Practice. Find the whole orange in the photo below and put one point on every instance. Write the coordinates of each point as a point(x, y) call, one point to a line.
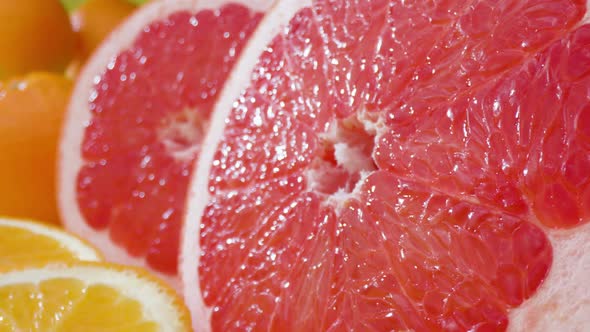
point(31, 112)
point(34, 35)
point(95, 19)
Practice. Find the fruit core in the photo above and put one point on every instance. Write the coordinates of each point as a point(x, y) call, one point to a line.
point(181, 133)
point(150, 109)
point(443, 231)
point(345, 158)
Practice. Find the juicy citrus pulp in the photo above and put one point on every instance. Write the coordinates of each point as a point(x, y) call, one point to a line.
point(31, 113)
point(88, 297)
point(395, 165)
point(35, 35)
point(138, 114)
point(24, 242)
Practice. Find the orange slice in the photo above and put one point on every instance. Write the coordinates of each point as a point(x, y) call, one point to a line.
point(87, 296)
point(26, 242)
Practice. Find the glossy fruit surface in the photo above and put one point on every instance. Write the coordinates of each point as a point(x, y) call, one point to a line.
point(88, 297)
point(31, 113)
point(95, 19)
point(395, 165)
point(36, 35)
point(24, 242)
point(138, 115)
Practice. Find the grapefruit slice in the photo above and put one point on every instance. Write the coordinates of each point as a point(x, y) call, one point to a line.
point(395, 165)
point(88, 297)
point(134, 126)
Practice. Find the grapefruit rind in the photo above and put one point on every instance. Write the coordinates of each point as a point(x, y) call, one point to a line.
point(79, 248)
point(79, 116)
point(159, 302)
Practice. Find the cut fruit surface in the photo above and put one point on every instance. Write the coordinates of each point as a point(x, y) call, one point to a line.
point(88, 297)
point(139, 111)
point(394, 165)
point(24, 242)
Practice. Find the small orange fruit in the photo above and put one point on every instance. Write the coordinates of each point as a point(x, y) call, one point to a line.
point(34, 35)
point(31, 112)
point(95, 19)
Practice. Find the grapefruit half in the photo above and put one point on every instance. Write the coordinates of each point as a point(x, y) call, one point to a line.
point(135, 122)
point(398, 165)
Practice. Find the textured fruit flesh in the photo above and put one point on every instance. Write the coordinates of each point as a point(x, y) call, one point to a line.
point(69, 305)
point(21, 247)
point(150, 109)
point(473, 144)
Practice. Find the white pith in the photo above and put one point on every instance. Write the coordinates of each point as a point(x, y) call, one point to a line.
point(158, 306)
point(78, 248)
point(358, 164)
point(349, 156)
point(562, 303)
point(198, 195)
point(187, 125)
point(78, 116)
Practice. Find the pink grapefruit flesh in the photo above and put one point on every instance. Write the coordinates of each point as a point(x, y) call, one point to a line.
point(136, 121)
point(399, 165)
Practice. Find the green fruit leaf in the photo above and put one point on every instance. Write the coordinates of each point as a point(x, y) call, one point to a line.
point(73, 4)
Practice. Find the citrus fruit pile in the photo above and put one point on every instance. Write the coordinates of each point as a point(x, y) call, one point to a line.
point(42, 45)
point(290, 165)
point(51, 280)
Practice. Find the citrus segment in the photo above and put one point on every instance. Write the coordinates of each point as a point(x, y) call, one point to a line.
point(31, 114)
point(90, 297)
point(137, 118)
point(517, 136)
point(24, 242)
point(393, 165)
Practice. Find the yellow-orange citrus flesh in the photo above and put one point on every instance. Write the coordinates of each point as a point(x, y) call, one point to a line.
point(24, 242)
point(88, 297)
